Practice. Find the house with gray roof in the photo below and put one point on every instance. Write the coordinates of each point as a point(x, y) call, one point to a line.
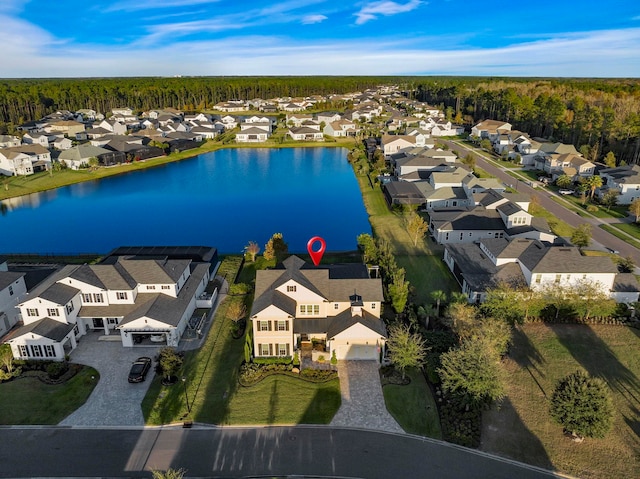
point(529, 263)
point(337, 305)
point(130, 297)
point(12, 291)
point(624, 179)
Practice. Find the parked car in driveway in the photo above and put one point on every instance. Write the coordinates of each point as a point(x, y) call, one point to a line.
point(139, 369)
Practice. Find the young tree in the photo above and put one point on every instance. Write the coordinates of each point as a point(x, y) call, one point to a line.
point(563, 181)
point(582, 405)
point(168, 474)
point(368, 247)
point(581, 236)
point(417, 227)
point(634, 208)
point(236, 310)
point(406, 349)
point(275, 248)
point(610, 159)
point(252, 249)
point(625, 265)
point(610, 198)
point(472, 372)
point(170, 362)
point(485, 144)
point(469, 160)
point(398, 290)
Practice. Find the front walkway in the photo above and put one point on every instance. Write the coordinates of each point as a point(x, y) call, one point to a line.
point(362, 400)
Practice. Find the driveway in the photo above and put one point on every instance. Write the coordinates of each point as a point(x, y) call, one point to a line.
point(362, 400)
point(113, 402)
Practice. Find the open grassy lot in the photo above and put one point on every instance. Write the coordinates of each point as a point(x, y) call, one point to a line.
point(427, 274)
point(30, 401)
point(413, 406)
point(281, 399)
point(521, 427)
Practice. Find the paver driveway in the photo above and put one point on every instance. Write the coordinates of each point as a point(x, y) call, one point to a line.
point(362, 400)
point(113, 402)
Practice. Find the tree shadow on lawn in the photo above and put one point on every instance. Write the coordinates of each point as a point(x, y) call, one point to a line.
point(633, 420)
point(598, 359)
point(527, 356)
point(505, 434)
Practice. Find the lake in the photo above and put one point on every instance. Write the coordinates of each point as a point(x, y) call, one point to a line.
point(224, 199)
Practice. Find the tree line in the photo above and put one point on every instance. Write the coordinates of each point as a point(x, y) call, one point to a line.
point(603, 114)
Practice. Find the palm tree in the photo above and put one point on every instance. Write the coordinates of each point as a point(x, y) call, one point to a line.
point(438, 296)
point(593, 182)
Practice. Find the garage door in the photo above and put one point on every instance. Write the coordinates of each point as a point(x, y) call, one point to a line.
point(357, 352)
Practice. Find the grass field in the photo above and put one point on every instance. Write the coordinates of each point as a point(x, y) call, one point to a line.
point(283, 399)
point(30, 401)
point(413, 406)
point(559, 227)
point(617, 232)
point(521, 427)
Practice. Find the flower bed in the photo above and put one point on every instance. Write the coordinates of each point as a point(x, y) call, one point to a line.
point(251, 374)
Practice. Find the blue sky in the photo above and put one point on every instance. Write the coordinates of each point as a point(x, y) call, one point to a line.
point(79, 38)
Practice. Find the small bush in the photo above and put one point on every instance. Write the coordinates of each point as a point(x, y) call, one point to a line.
point(296, 359)
point(55, 370)
point(592, 208)
point(273, 360)
point(239, 289)
point(317, 374)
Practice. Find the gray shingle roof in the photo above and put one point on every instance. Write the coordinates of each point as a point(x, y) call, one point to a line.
point(59, 293)
point(567, 259)
point(8, 277)
point(345, 320)
point(46, 327)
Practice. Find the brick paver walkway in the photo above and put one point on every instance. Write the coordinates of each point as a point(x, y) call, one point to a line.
point(362, 400)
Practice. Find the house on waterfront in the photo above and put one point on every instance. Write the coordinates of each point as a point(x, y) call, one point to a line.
point(12, 291)
point(148, 292)
point(24, 160)
point(336, 305)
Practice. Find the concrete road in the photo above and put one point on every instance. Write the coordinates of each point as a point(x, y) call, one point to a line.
point(599, 235)
point(241, 452)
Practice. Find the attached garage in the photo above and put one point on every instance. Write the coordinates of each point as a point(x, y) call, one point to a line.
point(362, 339)
point(353, 352)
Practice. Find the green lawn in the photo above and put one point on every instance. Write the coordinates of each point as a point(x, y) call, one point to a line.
point(521, 428)
point(630, 228)
point(427, 274)
point(601, 211)
point(413, 406)
point(30, 401)
point(559, 227)
point(281, 399)
point(617, 232)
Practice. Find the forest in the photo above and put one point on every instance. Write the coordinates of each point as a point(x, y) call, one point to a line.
point(596, 115)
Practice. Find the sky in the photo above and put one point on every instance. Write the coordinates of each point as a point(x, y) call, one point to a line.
point(80, 38)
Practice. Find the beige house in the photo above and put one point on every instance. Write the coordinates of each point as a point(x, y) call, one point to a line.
point(336, 306)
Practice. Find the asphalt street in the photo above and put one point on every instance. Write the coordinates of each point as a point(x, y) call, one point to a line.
point(244, 452)
point(599, 235)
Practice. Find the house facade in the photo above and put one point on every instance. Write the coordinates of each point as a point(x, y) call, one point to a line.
point(132, 298)
point(337, 305)
point(12, 291)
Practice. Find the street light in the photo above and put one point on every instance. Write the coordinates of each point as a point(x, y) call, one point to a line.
point(186, 397)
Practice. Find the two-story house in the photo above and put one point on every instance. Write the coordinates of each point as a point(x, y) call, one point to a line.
point(132, 297)
point(625, 180)
point(338, 305)
point(12, 290)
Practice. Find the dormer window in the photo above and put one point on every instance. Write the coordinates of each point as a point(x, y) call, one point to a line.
point(291, 288)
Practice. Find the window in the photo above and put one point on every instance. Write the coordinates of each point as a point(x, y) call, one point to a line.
point(49, 351)
point(151, 287)
point(121, 295)
point(336, 306)
point(32, 312)
point(53, 312)
point(24, 352)
point(86, 298)
point(291, 289)
point(538, 278)
point(36, 350)
point(69, 307)
point(112, 320)
point(558, 278)
point(76, 330)
point(264, 325)
point(283, 326)
point(97, 297)
point(264, 349)
point(373, 305)
point(310, 309)
point(10, 290)
point(164, 286)
point(283, 350)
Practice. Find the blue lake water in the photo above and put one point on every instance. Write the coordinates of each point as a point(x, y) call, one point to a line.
point(222, 199)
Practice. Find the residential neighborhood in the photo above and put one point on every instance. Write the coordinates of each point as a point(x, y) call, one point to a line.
point(457, 257)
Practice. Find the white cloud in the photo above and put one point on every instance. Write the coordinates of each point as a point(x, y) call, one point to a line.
point(384, 7)
point(311, 19)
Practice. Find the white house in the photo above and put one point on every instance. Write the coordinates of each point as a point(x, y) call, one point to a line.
point(132, 298)
point(7, 141)
point(525, 262)
point(12, 291)
point(305, 133)
point(625, 180)
point(254, 132)
point(490, 129)
point(335, 305)
point(24, 159)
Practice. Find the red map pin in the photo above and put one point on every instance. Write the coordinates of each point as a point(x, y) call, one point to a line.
point(316, 256)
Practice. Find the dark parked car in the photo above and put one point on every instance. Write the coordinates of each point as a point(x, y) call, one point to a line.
point(139, 369)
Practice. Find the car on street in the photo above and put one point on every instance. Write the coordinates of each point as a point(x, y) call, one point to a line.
point(139, 369)
point(565, 192)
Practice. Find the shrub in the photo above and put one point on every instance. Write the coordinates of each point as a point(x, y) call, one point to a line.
point(296, 359)
point(273, 360)
point(55, 370)
point(317, 374)
point(334, 359)
point(592, 208)
point(239, 289)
